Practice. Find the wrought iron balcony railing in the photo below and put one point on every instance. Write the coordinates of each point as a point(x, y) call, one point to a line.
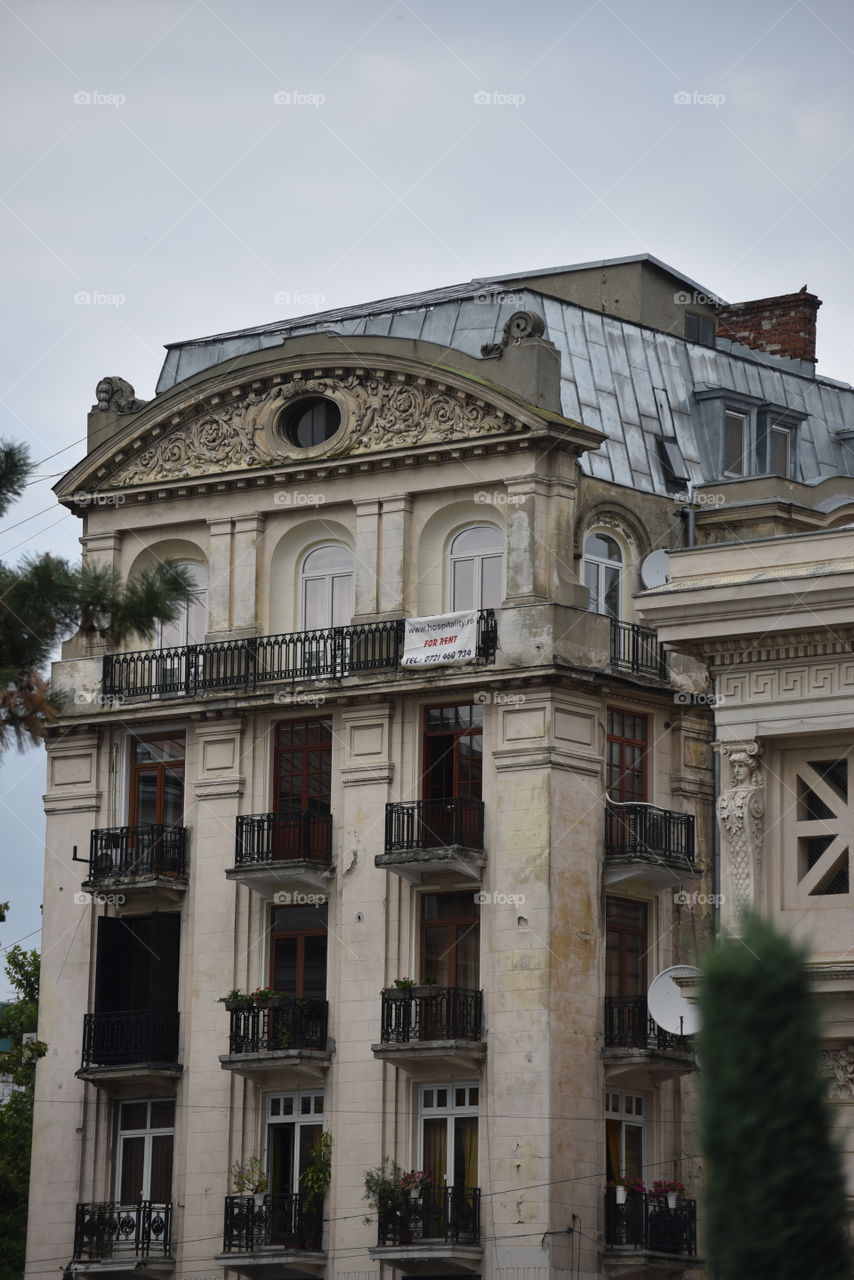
point(636, 649)
point(450, 1214)
point(137, 1035)
point(119, 853)
point(261, 660)
point(294, 1024)
point(433, 824)
point(288, 1221)
point(628, 1025)
point(283, 837)
point(446, 1013)
point(646, 1222)
point(636, 830)
point(115, 1230)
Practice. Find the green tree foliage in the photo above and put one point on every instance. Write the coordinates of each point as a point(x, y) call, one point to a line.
point(775, 1197)
point(44, 599)
point(16, 1113)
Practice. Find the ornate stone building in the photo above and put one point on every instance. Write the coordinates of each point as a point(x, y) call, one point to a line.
point(387, 836)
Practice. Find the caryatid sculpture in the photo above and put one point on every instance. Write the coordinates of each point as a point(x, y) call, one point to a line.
point(741, 813)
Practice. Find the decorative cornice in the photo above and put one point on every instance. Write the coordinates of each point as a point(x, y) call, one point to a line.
point(740, 651)
point(76, 802)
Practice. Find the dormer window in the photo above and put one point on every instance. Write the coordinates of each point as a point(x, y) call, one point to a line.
point(753, 437)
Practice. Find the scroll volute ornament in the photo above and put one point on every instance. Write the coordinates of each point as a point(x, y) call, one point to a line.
point(741, 815)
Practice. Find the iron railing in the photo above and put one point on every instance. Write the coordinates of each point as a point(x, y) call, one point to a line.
point(446, 1013)
point(628, 1025)
point(137, 1035)
point(260, 660)
point(283, 837)
point(433, 824)
point(451, 1214)
point(636, 649)
point(115, 1230)
point(293, 1024)
point(636, 830)
point(126, 852)
point(646, 1222)
point(289, 1221)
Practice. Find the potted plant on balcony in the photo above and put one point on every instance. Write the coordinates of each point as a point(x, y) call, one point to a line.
point(623, 1185)
point(314, 1183)
point(236, 1000)
point(675, 1191)
point(249, 1178)
point(395, 1197)
point(267, 998)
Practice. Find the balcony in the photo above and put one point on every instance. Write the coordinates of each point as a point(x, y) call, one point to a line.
point(137, 1048)
point(648, 847)
point(440, 1227)
point(251, 663)
point(636, 650)
point(284, 1045)
point(637, 1051)
point(118, 1237)
point(147, 857)
point(424, 837)
point(643, 1236)
point(277, 1235)
point(430, 1030)
point(285, 852)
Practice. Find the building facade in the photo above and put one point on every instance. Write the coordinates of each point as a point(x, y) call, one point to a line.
point(448, 857)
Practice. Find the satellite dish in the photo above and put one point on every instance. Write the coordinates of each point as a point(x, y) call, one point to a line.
point(655, 569)
point(668, 1006)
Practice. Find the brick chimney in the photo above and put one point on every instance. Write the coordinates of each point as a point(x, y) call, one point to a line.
point(783, 326)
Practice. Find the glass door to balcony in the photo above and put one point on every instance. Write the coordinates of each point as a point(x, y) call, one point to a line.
point(626, 765)
point(449, 1152)
point(303, 781)
point(450, 939)
point(157, 781)
point(295, 1123)
point(626, 946)
point(452, 779)
point(146, 1136)
point(298, 951)
point(624, 1135)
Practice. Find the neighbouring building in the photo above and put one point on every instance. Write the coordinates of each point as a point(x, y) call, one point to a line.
point(387, 837)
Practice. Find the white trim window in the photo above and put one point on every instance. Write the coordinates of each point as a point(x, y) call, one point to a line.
point(326, 587)
point(192, 621)
point(448, 1133)
point(625, 1138)
point(294, 1126)
point(144, 1148)
point(603, 573)
point(476, 568)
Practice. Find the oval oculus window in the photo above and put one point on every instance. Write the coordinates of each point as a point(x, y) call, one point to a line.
point(312, 420)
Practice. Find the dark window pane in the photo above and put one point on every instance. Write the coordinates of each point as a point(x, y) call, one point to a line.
point(161, 1168)
point(132, 1188)
point(734, 443)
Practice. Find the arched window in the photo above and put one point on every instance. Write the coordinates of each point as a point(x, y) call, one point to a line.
point(603, 574)
point(476, 570)
point(192, 622)
point(326, 588)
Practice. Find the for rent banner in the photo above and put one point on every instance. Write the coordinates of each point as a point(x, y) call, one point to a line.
point(440, 641)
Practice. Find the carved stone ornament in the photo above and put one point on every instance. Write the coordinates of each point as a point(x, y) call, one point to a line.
point(522, 324)
point(741, 812)
point(376, 413)
point(117, 396)
point(838, 1064)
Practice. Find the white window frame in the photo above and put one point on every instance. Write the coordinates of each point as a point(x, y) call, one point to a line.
point(327, 578)
point(629, 1117)
point(183, 619)
point(297, 1118)
point(448, 1113)
point(601, 564)
point(478, 558)
point(147, 1133)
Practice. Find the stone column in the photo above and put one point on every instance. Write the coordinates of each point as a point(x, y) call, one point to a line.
point(527, 539)
point(741, 816)
point(247, 537)
point(219, 587)
point(101, 550)
point(366, 557)
point(394, 549)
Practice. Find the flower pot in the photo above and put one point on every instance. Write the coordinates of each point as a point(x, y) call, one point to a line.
point(258, 1197)
point(620, 1193)
point(672, 1197)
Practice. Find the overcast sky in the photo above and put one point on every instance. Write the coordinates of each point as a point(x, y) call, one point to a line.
point(172, 170)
